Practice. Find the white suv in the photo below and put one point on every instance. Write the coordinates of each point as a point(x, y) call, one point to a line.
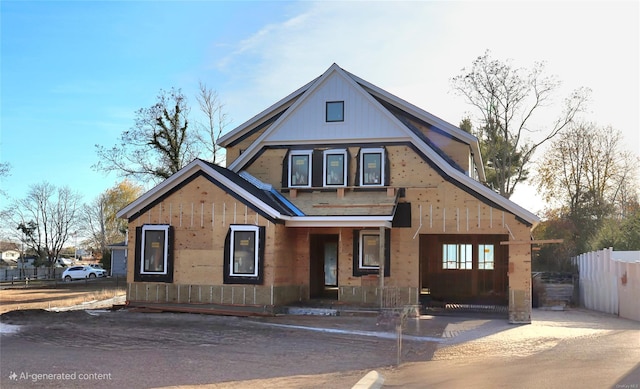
point(81, 272)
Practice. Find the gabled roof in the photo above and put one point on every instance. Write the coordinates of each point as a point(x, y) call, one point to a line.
point(263, 117)
point(278, 112)
point(277, 208)
point(263, 200)
point(421, 114)
point(258, 196)
point(378, 98)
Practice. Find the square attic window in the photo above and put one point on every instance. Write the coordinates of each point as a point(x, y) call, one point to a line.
point(335, 111)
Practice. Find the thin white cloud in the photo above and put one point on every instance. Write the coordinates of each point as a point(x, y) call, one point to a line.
point(413, 49)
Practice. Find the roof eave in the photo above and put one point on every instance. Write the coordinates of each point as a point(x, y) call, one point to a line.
point(481, 189)
point(415, 110)
point(339, 221)
point(157, 191)
point(192, 168)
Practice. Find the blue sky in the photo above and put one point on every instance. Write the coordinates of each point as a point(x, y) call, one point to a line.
point(74, 73)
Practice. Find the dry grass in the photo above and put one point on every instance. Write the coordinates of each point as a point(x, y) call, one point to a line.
point(58, 297)
point(104, 294)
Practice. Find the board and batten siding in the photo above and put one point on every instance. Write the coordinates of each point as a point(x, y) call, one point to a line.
point(363, 117)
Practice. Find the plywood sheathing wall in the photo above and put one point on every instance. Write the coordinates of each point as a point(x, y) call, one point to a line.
point(200, 214)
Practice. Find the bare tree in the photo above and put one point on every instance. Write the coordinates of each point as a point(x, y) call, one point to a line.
point(587, 166)
point(216, 121)
point(5, 167)
point(159, 144)
point(506, 99)
point(588, 176)
point(45, 219)
point(99, 217)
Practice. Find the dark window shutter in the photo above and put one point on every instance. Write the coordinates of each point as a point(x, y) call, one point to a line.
point(317, 164)
point(137, 255)
point(402, 217)
point(285, 170)
point(356, 179)
point(387, 168)
point(262, 236)
point(387, 252)
point(170, 256)
point(227, 258)
point(356, 253)
point(347, 166)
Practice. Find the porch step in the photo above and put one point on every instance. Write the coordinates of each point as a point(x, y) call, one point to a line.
point(311, 311)
point(476, 308)
point(331, 311)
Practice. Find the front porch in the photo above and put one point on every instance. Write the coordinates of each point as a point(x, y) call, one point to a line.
point(258, 299)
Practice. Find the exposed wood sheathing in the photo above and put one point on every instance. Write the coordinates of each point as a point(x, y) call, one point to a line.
point(442, 202)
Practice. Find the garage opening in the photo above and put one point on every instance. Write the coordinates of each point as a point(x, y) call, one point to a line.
point(463, 269)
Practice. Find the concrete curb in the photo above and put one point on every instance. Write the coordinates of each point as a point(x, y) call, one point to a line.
point(372, 380)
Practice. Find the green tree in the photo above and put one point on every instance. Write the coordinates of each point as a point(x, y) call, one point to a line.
point(555, 257)
point(507, 99)
point(622, 235)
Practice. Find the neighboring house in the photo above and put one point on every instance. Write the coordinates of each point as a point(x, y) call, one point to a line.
point(118, 259)
point(336, 182)
point(9, 253)
point(10, 256)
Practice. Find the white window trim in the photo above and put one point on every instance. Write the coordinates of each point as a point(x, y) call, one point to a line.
point(378, 150)
point(361, 264)
point(482, 257)
point(153, 227)
point(325, 153)
point(308, 153)
point(458, 260)
point(256, 231)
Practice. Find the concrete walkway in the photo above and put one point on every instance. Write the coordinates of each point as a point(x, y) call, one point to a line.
point(575, 348)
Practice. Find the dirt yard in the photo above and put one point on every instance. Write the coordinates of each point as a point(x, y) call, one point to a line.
point(569, 349)
point(57, 296)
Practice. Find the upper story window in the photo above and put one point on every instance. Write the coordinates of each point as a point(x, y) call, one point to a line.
point(335, 168)
point(371, 167)
point(335, 111)
point(300, 169)
point(473, 169)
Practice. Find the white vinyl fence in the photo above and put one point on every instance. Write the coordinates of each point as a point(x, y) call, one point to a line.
point(610, 282)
